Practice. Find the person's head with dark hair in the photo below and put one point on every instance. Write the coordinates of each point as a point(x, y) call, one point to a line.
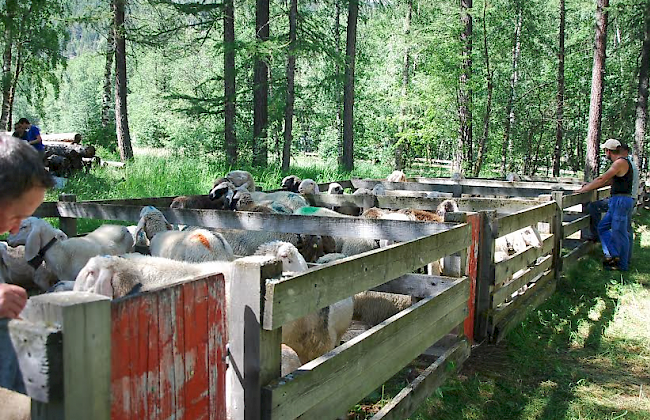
point(23, 121)
point(23, 181)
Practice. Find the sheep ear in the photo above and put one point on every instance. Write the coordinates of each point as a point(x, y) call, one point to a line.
point(60, 235)
point(34, 242)
point(103, 285)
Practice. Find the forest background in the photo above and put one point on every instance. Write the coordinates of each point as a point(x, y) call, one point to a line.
point(496, 86)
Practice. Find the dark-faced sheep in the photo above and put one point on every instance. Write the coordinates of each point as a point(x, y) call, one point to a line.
point(291, 183)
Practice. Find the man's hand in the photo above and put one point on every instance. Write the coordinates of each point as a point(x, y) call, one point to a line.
point(12, 300)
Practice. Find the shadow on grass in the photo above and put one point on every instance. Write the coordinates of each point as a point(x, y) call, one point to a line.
point(556, 364)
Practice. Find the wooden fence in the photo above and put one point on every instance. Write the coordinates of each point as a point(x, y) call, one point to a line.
point(479, 301)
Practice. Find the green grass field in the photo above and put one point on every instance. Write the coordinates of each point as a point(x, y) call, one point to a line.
point(584, 354)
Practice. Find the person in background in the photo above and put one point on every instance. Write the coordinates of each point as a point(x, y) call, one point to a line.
point(613, 228)
point(32, 135)
point(23, 181)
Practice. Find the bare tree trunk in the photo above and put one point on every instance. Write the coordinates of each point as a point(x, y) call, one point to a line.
point(406, 73)
point(597, 85)
point(348, 93)
point(230, 137)
point(642, 99)
point(291, 69)
point(14, 86)
point(559, 130)
point(464, 91)
point(10, 11)
point(108, 72)
point(121, 115)
point(261, 87)
point(488, 107)
point(510, 111)
point(337, 78)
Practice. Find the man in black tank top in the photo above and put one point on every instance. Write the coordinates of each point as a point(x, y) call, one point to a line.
point(613, 228)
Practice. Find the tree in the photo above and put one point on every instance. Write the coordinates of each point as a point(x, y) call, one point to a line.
point(406, 75)
point(488, 107)
point(261, 86)
point(596, 101)
point(229, 72)
point(510, 109)
point(464, 89)
point(348, 90)
point(121, 115)
point(291, 69)
point(642, 98)
point(560, 95)
point(108, 72)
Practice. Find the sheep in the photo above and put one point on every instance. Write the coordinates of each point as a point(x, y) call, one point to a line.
point(457, 176)
point(312, 247)
point(66, 258)
point(308, 186)
point(378, 189)
point(152, 221)
point(317, 211)
point(513, 177)
point(396, 176)
point(372, 307)
point(222, 191)
point(290, 360)
point(286, 198)
point(245, 242)
point(335, 188)
point(354, 246)
point(243, 201)
point(201, 202)
point(328, 258)
point(15, 406)
point(422, 215)
point(447, 206)
point(516, 242)
point(116, 276)
point(363, 191)
point(15, 269)
point(26, 226)
point(241, 179)
point(291, 183)
point(317, 333)
point(196, 245)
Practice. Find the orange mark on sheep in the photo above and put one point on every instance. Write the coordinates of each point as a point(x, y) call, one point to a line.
point(201, 238)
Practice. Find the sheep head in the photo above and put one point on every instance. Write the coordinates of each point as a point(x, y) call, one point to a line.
point(222, 189)
point(285, 252)
point(308, 186)
point(291, 183)
point(335, 188)
point(37, 238)
point(96, 277)
point(26, 226)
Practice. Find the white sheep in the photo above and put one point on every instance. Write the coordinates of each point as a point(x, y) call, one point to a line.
point(396, 176)
point(291, 183)
point(318, 211)
point(372, 307)
point(14, 269)
point(335, 188)
point(290, 360)
point(117, 275)
point(447, 206)
point(516, 242)
point(308, 186)
point(241, 179)
point(287, 198)
point(243, 201)
point(196, 245)
point(354, 246)
point(66, 258)
point(317, 333)
point(26, 226)
point(151, 222)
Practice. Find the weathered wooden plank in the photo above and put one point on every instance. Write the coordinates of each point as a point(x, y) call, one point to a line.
point(500, 183)
point(572, 227)
point(501, 294)
point(167, 389)
point(39, 350)
point(66, 224)
point(485, 276)
point(505, 269)
point(335, 226)
point(416, 285)
point(577, 253)
point(575, 199)
point(177, 298)
point(47, 209)
point(408, 186)
point(409, 398)
point(528, 217)
point(540, 296)
point(470, 269)
point(519, 302)
point(216, 348)
point(335, 381)
point(292, 298)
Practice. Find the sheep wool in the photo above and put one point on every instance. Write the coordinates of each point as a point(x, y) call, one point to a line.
point(290, 183)
point(396, 176)
point(196, 245)
point(14, 269)
point(335, 188)
point(308, 186)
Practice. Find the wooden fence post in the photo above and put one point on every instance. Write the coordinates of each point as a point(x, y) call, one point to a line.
point(485, 277)
point(85, 355)
point(558, 232)
point(68, 225)
point(254, 354)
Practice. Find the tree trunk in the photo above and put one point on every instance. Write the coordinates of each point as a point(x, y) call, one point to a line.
point(510, 111)
point(488, 107)
point(348, 93)
point(597, 85)
point(291, 69)
point(337, 78)
point(642, 99)
point(464, 91)
point(10, 11)
point(121, 118)
point(406, 72)
point(108, 72)
point(230, 137)
point(261, 87)
point(559, 130)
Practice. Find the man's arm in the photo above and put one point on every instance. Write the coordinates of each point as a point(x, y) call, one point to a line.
point(37, 140)
point(606, 178)
point(12, 300)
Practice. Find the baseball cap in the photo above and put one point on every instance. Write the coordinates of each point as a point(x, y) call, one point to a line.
point(611, 144)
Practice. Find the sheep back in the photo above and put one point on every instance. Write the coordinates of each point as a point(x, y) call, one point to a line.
point(197, 245)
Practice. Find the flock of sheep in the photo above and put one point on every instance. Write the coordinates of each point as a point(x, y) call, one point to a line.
point(104, 260)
